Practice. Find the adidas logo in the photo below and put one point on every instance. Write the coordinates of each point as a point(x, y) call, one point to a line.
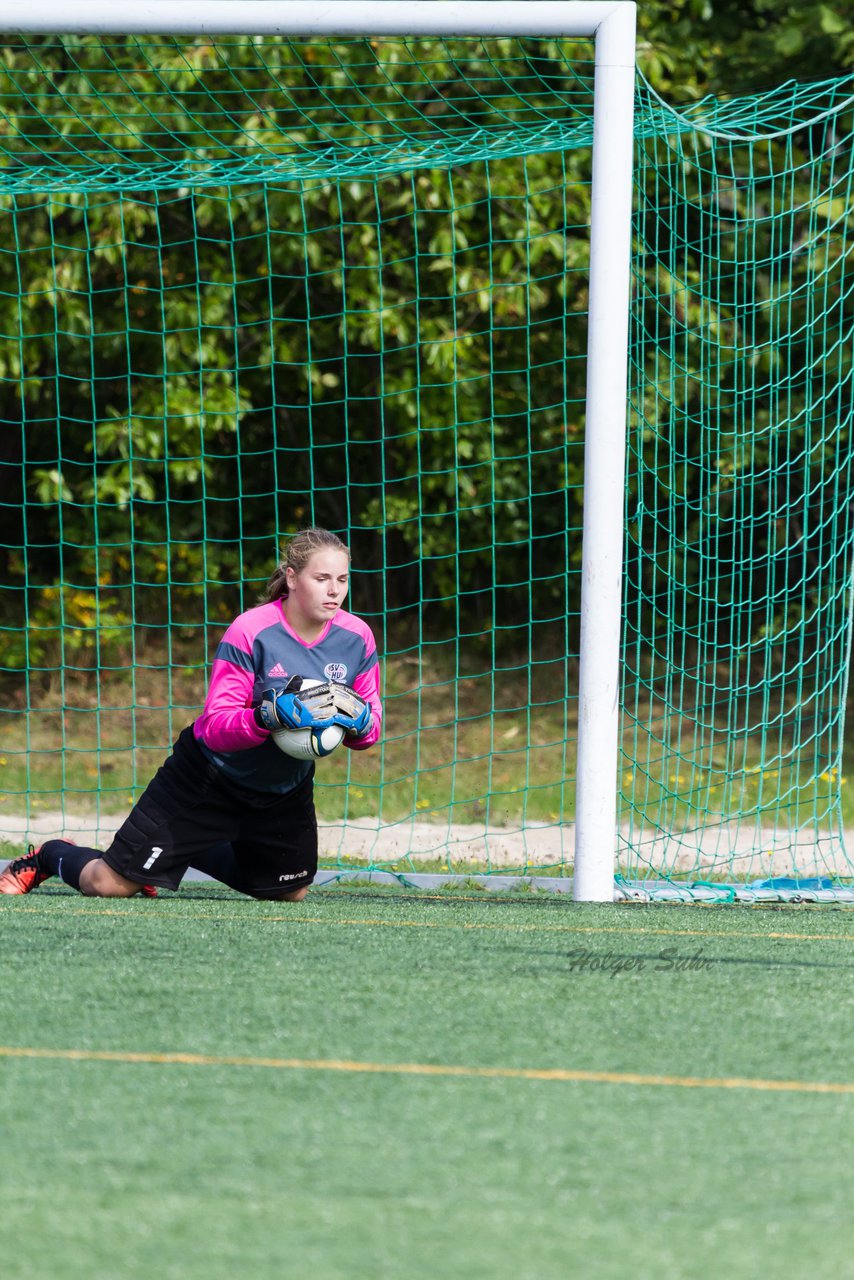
point(276, 672)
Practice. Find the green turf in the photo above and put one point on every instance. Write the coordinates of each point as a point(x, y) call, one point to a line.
point(125, 1171)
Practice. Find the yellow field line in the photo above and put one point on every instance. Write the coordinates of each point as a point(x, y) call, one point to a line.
point(142, 912)
point(433, 1069)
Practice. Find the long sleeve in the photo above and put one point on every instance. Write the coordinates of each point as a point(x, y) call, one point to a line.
point(227, 722)
point(367, 685)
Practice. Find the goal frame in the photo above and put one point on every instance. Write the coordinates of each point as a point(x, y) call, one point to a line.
point(611, 24)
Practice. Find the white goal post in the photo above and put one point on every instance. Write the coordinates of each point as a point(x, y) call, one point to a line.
point(612, 25)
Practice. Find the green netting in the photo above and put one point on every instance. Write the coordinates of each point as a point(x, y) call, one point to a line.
point(249, 284)
point(739, 559)
point(119, 114)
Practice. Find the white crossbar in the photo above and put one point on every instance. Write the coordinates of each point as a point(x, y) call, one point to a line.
point(337, 17)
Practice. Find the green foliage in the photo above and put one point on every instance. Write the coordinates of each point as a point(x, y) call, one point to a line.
point(692, 47)
point(202, 354)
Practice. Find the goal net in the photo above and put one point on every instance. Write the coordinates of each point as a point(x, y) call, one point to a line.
point(738, 571)
point(253, 284)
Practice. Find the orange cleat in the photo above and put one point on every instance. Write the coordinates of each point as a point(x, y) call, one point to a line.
point(24, 874)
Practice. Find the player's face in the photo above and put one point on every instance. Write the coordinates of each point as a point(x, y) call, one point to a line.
point(317, 592)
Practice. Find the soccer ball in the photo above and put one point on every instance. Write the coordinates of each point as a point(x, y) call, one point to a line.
point(309, 744)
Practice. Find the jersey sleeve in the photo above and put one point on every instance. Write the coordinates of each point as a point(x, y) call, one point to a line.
point(227, 722)
point(367, 685)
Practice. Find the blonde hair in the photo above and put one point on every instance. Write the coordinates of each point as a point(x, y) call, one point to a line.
point(298, 552)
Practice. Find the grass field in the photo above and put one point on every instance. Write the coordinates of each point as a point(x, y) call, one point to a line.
point(380, 1084)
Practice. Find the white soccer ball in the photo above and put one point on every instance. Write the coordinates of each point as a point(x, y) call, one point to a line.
point(309, 744)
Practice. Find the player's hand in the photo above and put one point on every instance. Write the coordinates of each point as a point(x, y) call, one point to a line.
point(352, 712)
point(295, 707)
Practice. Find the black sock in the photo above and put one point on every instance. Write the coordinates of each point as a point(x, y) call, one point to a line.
point(219, 862)
point(61, 858)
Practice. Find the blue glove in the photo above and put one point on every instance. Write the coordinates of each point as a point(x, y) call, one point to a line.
point(352, 713)
point(295, 707)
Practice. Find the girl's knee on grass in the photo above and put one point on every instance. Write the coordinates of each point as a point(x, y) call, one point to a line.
point(97, 880)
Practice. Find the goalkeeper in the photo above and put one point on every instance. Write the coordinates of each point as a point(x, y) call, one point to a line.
point(227, 801)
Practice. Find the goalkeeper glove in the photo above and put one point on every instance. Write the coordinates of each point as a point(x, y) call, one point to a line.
point(294, 707)
point(352, 713)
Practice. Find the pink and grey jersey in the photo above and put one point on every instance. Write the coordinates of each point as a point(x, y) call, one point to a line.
point(261, 651)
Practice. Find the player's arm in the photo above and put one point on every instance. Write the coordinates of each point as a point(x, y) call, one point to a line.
point(227, 721)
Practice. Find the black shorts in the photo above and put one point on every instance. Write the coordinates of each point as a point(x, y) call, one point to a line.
point(189, 806)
